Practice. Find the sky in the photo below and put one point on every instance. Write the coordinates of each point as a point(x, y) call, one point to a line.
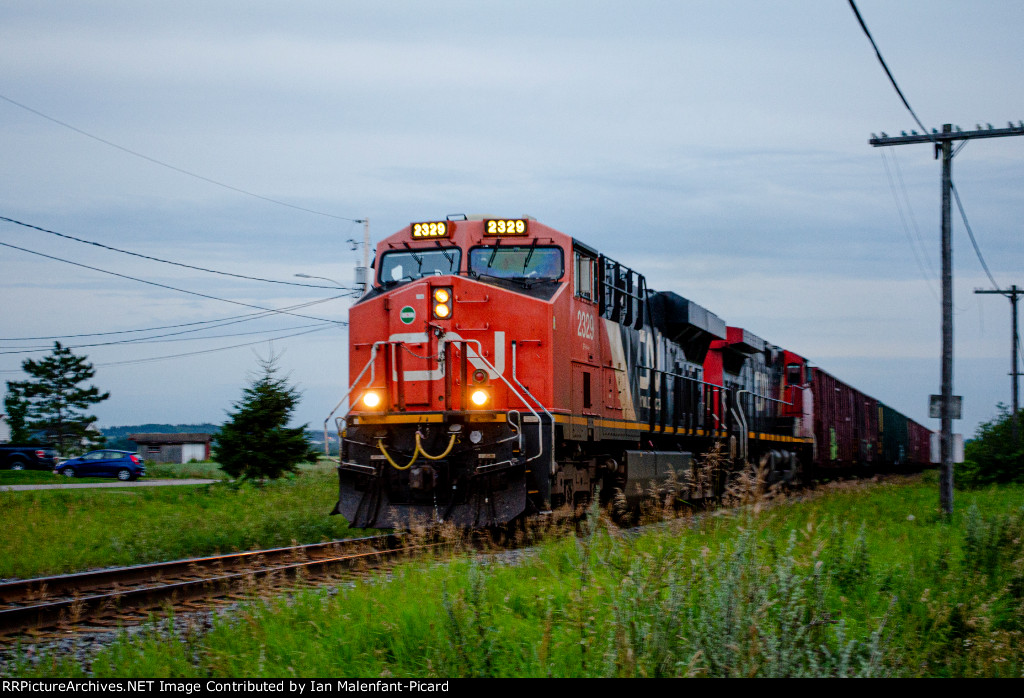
point(719, 148)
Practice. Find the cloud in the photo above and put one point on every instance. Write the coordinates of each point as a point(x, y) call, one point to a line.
point(719, 149)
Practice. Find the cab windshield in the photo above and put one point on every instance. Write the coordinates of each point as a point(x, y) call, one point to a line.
point(410, 265)
point(517, 262)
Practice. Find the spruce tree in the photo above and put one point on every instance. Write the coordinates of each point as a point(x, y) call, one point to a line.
point(53, 403)
point(16, 408)
point(256, 443)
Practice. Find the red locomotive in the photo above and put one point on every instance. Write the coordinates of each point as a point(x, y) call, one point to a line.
point(498, 367)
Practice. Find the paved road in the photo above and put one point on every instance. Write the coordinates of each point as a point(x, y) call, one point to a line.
point(137, 483)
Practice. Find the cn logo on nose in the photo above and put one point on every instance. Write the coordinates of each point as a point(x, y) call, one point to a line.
point(472, 354)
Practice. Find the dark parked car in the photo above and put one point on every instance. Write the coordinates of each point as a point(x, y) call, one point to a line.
point(124, 465)
point(13, 457)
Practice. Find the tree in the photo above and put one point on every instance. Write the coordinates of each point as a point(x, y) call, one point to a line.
point(52, 401)
point(994, 455)
point(256, 442)
point(16, 407)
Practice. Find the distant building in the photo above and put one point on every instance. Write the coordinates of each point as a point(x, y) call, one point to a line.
point(94, 435)
point(172, 448)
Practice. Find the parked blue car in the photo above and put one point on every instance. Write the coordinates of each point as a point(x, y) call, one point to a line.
point(124, 465)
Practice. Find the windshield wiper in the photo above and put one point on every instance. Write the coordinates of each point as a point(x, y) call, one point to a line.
point(447, 255)
point(530, 254)
point(418, 258)
point(497, 244)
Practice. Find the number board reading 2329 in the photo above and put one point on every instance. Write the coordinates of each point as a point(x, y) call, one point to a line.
point(505, 227)
point(427, 231)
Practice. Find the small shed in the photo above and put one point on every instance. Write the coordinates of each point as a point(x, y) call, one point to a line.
point(172, 448)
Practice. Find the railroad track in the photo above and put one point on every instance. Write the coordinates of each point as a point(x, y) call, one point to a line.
point(107, 598)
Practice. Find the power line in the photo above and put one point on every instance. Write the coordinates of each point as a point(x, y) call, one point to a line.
point(970, 232)
point(881, 60)
point(913, 219)
point(906, 230)
point(172, 288)
point(1013, 293)
point(212, 323)
point(159, 339)
point(206, 351)
point(942, 143)
point(162, 261)
point(191, 353)
point(172, 167)
point(927, 135)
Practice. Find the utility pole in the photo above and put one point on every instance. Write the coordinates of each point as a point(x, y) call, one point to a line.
point(363, 273)
point(366, 244)
point(944, 144)
point(1013, 293)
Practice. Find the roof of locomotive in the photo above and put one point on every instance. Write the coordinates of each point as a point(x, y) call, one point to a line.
point(465, 233)
point(470, 231)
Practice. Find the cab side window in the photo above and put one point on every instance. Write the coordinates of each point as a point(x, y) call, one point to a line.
point(583, 275)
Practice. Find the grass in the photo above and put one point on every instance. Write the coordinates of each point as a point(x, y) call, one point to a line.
point(154, 471)
point(207, 470)
point(853, 582)
point(60, 531)
point(211, 470)
point(39, 477)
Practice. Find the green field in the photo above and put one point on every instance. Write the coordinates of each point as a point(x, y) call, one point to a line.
point(209, 470)
point(60, 531)
point(866, 581)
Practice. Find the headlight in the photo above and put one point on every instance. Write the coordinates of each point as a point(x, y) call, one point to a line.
point(479, 397)
point(442, 302)
point(371, 399)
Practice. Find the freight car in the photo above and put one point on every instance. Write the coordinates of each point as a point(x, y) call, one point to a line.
point(499, 367)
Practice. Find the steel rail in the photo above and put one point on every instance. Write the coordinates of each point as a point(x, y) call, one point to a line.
point(77, 607)
point(22, 590)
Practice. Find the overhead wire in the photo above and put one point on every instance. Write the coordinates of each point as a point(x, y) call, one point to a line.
point(910, 109)
point(206, 351)
point(913, 219)
point(191, 353)
point(970, 232)
point(263, 312)
point(885, 67)
point(213, 323)
point(163, 261)
point(159, 339)
point(910, 240)
point(173, 167)
point(172, 288)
